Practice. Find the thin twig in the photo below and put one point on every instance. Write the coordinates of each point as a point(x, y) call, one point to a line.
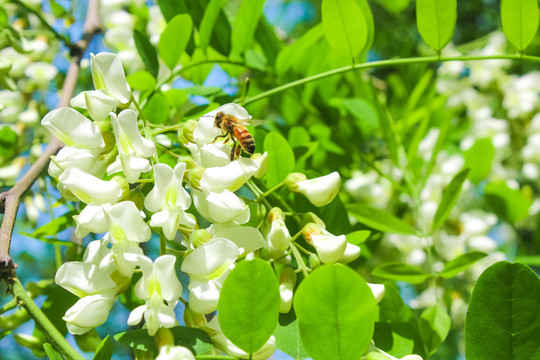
point(10, 200)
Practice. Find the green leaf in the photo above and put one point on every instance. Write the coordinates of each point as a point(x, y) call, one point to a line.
point(245, 24)
point(147, 52)
point(436, 21)
point(529, 260)
point(449, 198)
point(380, 220)
point(479, 159)
point(461, 263)
point(207, 23)
point(358, 237)
point(295, 53)
point(4, 18)
point(248, 305)
point(503, 321)
point(52, 354)
point(157, 109)
point(280, 158)
point(104, 350)
point(335, 217)
point(363, 111)
point(171, 8)
point(519, 21)
point(336, 313)
point(345, 26)
point(396, 328)
point(434, 326)
point(141, 80)
point(401, 272)
point(288, 339)
point(510, 204)
point(8, 142)
point(56, 225)
point(196, 340)
point(57, 9)
point(174, 39)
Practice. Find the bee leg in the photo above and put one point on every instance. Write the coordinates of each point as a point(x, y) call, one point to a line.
point(233, 150)
point(219, 136)
point(238, 151)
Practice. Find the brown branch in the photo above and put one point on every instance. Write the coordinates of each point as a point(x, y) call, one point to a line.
point(10, 200)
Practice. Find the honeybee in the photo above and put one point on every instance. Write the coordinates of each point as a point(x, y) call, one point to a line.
point(235, 129)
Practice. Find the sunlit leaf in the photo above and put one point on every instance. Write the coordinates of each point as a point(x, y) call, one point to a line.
point(449, 198)
point(380, 220)
point(503, 321)
point(436, 21)
point(461, 263)
point(479, 159)
point(141, 80)
point(245, 24)
point(510, 204)
point(288, 338)
point(401, 272)
point(280, 158)
point(56, 225)
point(104, 350)
point(157, 109)
point(52, 354)
point(358, 237)
point(519, 21)
point(336, 313)
point(345, 26)
point(248, 305)
point(434, 326)
point(147, 52)
point(174, 39)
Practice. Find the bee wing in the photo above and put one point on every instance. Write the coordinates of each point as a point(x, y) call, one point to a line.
point(252, 122)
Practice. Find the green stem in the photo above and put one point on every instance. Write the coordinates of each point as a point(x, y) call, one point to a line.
point(268, 192)
point(258, 193)
point(190, 66)
point(299, 259)
point(54, 336)
point(383, 63)
point(162, 244)
point(167, 150)
point(44, 22)
point(167, 129)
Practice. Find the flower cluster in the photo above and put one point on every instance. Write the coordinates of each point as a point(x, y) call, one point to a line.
point(113, 169)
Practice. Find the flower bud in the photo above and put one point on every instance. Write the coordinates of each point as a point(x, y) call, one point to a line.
point(314, 261)
point(185, 132)
point(190, 164)
point(163, 337)
point(293, 179)
point(310, 217)
point(193, 319)
point(352, 252)
point(28, 341)
point(87, 313)
point(275, 214)
point(200, 237)
point(330, 248)
point(195, 176)
point(287, 281)
point(320, 191)
point(171, 352)
point(309, 230)
point(108, 74)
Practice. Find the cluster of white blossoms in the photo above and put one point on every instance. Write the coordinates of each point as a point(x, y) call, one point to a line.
point(107, 162)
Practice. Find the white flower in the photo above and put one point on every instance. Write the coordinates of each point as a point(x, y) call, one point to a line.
point(88, 313)
point(88, 188)
point(278, 238)
point(168, 200)
point(72, 128)
point(378, 291)
point(207, 267)
point(127, 230)
point(93, 218)
point(40, 74)
point(133, 149)
point(287, 281)
point(108, 75)
point(74, 157)
point(169, 352)
point(220, 207)
point(83, 279)
point(322, 190)
point(330, 248)
point(98, 104)
point(351, 253)
point(160, 288)
point(231, 176)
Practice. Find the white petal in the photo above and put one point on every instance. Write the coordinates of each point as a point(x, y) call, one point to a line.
point(72, 128)
point(221, 207)
point(214, 256)
point(90, 311)
point(84, 279)
point(108, 74)
point(322, 190)
point(92, 219)
point(127, 223)
point(246, 237)
point(329, 248)
point(231, 176)
point(89, 188)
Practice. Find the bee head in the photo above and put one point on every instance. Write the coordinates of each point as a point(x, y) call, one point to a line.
point(218, 119)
